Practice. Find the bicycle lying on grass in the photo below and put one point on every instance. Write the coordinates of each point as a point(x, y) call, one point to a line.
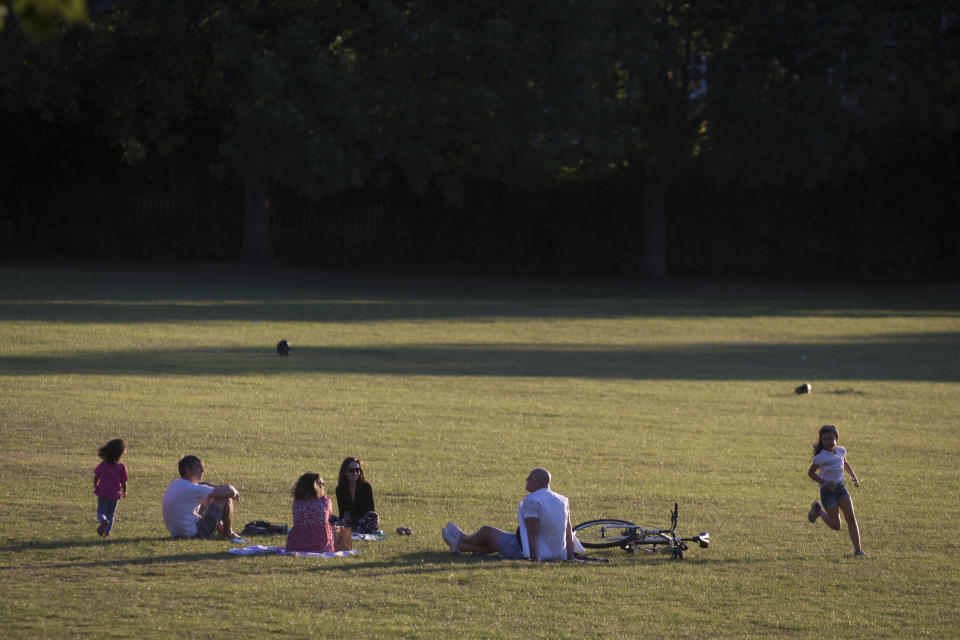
point(609, 533)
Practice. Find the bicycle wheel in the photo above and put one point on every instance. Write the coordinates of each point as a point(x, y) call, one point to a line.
point(601, 534)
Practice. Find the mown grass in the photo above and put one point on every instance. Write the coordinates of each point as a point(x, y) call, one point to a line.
point(635, 397)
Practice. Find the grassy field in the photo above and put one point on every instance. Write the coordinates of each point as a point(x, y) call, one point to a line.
point(634, 396)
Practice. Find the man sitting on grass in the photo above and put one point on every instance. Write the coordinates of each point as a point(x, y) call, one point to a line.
point(546, 517)
point(196, 509)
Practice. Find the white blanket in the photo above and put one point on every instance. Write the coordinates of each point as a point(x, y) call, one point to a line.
point(257, 549)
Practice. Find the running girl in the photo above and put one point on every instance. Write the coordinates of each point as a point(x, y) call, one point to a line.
point(831, 461)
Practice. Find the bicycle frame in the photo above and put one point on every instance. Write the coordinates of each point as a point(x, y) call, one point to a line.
point(631, 537)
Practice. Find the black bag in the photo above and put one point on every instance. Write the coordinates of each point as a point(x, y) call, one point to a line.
point(263, 528)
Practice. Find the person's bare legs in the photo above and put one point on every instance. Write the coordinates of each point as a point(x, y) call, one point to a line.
point(227, 520)
point(846, 504)
point(225, 526)
point(831, 517)
point(483, 541)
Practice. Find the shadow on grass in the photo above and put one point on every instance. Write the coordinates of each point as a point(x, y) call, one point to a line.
point(444, 562)
point(18, 547)
point(412, 563)
point(290, 295)
point(201, 551)
point(918, 357)
point(415, 563)
point(139, 561)
point(424, 562)
point(200, 554)
point(385, 311)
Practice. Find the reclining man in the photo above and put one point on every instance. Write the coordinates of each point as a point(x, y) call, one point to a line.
point(196, 509)
point(545, 516)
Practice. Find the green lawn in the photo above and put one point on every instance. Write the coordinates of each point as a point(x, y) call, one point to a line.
point(634, 396)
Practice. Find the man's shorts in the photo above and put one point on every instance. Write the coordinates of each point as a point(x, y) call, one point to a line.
point(207, 525)
point(831, 497)
point(508, 546)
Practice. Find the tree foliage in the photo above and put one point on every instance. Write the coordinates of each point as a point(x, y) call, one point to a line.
point(42, 18)
point(438, 99)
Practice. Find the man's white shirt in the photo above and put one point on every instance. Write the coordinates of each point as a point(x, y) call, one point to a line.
point(552, 511)
point(181, 506)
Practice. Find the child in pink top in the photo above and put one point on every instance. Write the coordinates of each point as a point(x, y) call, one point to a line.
point(109, 483)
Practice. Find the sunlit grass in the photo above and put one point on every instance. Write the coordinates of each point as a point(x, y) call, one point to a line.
point(635, 398)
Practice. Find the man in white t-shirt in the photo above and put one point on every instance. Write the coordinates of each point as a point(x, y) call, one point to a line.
point(196, 509)
point(545, 516)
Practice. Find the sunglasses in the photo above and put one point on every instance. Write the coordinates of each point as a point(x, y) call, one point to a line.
point(353, 469)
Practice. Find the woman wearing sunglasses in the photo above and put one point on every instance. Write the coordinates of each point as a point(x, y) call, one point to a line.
point(355, 498)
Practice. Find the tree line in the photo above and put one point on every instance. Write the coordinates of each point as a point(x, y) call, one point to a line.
point(631, 136)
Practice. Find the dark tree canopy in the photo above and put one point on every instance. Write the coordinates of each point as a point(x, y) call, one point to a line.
point(318, 98)
point(42, 18)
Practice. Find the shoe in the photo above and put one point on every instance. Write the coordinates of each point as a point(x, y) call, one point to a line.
point(101, 528)
point(235, 539)
point(454, 530)
point(450, 540)
point(860, 553)
point(815, 512)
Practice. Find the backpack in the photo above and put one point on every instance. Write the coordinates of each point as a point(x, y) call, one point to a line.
point(262, 528)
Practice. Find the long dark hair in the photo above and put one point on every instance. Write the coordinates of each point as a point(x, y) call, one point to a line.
point(818, 445)
point(342, 479)
point(307, 488)
point(112, 451)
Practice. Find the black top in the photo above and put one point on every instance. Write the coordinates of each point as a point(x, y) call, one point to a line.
point(361, 505)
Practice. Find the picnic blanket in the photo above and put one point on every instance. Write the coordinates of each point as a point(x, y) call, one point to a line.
point(259, 549)
point(376, 536)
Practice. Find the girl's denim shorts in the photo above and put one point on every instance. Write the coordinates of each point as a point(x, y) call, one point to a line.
point(831, 497)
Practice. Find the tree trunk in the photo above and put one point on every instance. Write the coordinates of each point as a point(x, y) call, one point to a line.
point(653, 224)
point(257, 247)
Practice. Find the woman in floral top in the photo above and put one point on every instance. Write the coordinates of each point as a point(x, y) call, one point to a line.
point(311, 516)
